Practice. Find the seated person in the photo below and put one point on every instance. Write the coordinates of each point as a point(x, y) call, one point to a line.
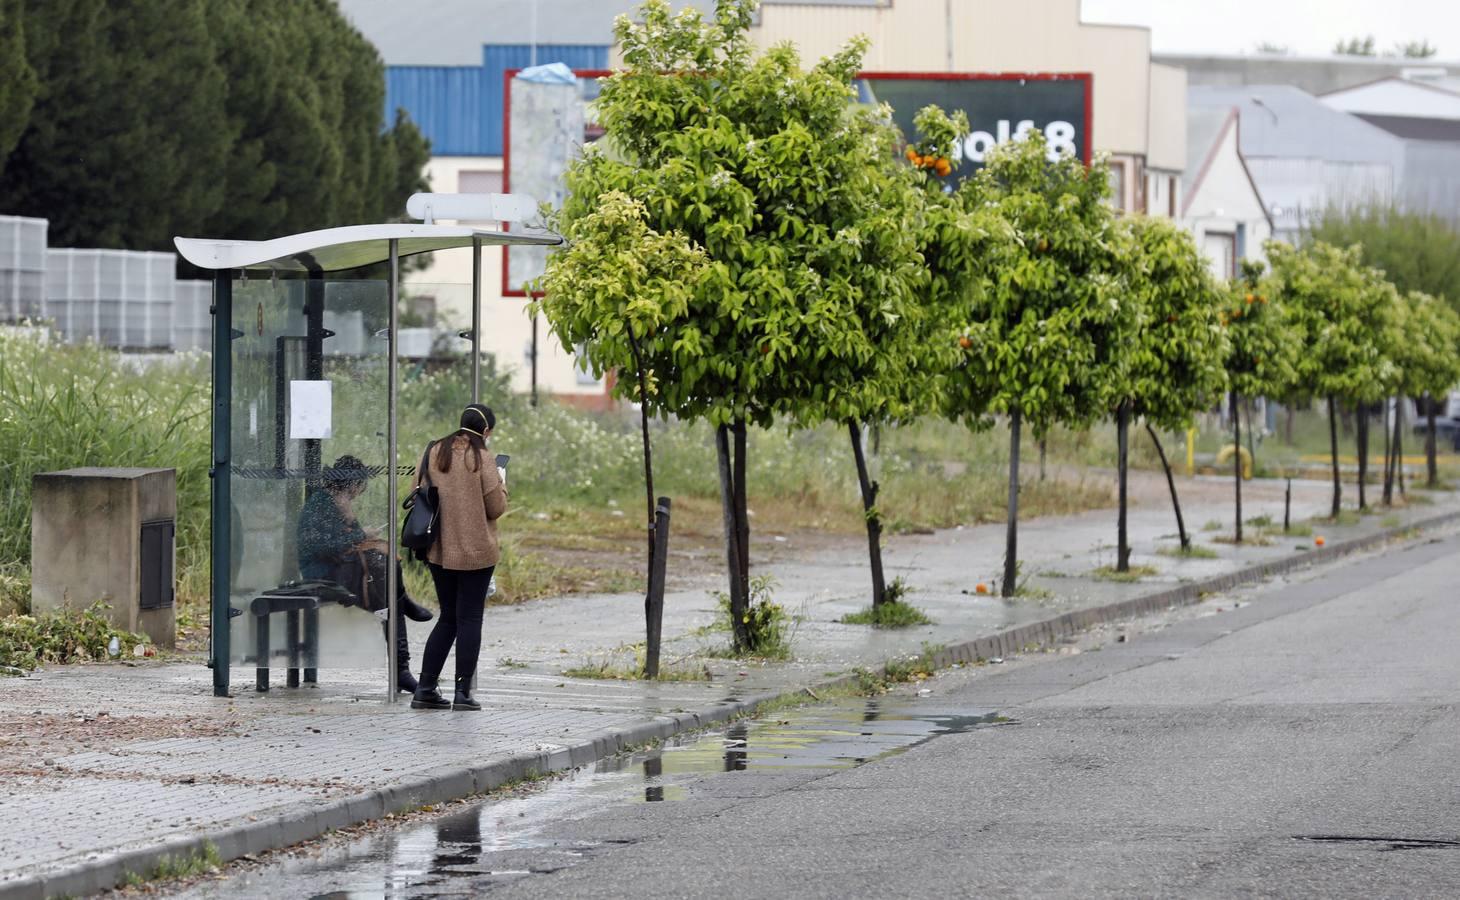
point(333, 547)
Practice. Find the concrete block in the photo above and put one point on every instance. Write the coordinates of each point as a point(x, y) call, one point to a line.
point(86, 543)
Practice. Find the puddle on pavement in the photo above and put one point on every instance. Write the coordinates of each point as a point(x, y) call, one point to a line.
point(454, 855)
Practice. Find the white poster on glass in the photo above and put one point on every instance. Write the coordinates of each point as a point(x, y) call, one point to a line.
point(310, 410)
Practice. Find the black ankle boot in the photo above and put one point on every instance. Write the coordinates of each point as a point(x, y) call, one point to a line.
point(405, 682)
point(463, 700)
point(413, 610)
point(427, 697)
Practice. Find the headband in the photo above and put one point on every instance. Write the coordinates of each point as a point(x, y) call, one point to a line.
point(480, 414)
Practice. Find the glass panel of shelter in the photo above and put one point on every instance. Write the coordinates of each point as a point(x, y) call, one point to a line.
point(309, 388)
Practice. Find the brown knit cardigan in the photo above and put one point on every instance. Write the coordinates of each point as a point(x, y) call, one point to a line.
point(471, 502)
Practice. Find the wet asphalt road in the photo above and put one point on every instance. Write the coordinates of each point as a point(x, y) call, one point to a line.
point(1305, 744)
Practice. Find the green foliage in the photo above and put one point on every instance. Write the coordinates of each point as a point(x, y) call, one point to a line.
point(1047, 336)
point(782, 182)
point(768, 625)
point(1177, 356)
point(616, 285)
point(17, 78)
point(230, 118)
point(1265, 337)
point(891, 614)
point(61, 637)
point(1428, 350)
point(1130, 576)
point(1355, 47)
point(1416, 251)
point(1345, 312)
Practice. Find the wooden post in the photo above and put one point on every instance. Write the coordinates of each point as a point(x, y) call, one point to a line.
point(654, 600)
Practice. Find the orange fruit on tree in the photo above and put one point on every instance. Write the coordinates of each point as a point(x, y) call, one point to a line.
point(1250, 298)
point(912, 155)
point(1318, 541)
point(965, 342)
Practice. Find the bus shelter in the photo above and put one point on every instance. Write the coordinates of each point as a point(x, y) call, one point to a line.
point(305, 392)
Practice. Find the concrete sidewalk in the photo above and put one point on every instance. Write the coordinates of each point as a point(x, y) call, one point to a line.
point(107, 768)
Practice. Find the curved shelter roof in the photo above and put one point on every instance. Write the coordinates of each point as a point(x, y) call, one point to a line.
point(347, 247)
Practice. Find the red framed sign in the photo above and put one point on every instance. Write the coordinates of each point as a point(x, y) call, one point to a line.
point(1000, 107)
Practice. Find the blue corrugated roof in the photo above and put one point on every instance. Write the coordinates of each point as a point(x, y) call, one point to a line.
point(460, 107)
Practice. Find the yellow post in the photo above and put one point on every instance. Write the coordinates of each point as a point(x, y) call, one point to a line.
point(1190, 451)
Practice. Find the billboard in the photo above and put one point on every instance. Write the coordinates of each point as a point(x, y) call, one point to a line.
point(546, 127)
point(1000, 107)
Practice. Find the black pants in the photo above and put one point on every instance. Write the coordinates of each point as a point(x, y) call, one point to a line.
point(463, 599)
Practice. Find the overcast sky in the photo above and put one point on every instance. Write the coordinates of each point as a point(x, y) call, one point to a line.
point(1307, 26)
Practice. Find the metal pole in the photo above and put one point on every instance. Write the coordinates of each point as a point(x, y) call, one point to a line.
point(534, 360)
point(222, 506)
point(476, 320)
point(392, 388)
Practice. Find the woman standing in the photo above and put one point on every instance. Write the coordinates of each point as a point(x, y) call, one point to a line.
point(471, 499)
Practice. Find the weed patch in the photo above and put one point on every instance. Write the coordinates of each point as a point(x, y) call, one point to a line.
point(1136, 573)
point(1194, 551)
point(62, 637)
point(893, 614)
point(767, 624)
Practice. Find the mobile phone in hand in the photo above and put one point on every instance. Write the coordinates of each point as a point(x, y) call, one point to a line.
point(502, 459)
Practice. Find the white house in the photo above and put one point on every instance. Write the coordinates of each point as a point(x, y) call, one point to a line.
point(1221, 205)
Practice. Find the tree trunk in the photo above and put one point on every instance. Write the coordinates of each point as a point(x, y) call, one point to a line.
point(742, 510)
point(1170, 483)
point(1011, 539)
point(738, 589)
point(1288, 423)
point(1122, 441)
point(1432, 469)
point(1237, 459)
point(1399, 444)
point(1043, 450)
point(870, 489)
point(1388, 496)
point(1333, 445)
point(1361, 431)
point(651, 656)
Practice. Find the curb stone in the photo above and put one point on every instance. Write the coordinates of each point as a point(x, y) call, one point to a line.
point(105, 870)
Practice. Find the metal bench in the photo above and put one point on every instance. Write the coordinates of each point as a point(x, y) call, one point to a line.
point(300, 602)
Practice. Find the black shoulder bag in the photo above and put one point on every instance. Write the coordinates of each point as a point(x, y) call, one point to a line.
point(423, 511)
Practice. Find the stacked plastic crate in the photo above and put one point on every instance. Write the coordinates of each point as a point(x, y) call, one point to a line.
point(116, 298)
point(192, 323)
point(22, 268)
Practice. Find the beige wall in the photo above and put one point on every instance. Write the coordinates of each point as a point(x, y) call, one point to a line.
point(506, 327)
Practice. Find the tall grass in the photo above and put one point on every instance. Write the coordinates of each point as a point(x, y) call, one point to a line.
point(63, 407)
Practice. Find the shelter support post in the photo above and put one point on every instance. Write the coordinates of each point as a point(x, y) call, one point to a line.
point(476, 320)
point(392, 474)
point(222, 510)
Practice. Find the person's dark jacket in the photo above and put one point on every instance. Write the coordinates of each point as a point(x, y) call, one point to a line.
point(325, 536)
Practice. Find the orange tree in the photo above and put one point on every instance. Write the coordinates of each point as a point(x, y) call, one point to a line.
point(1428, 352)
point(611, 290)
point(1177, 354)
point(1265, 340)
point(1043, 338)
point(774, 174)
point(1344, 311)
